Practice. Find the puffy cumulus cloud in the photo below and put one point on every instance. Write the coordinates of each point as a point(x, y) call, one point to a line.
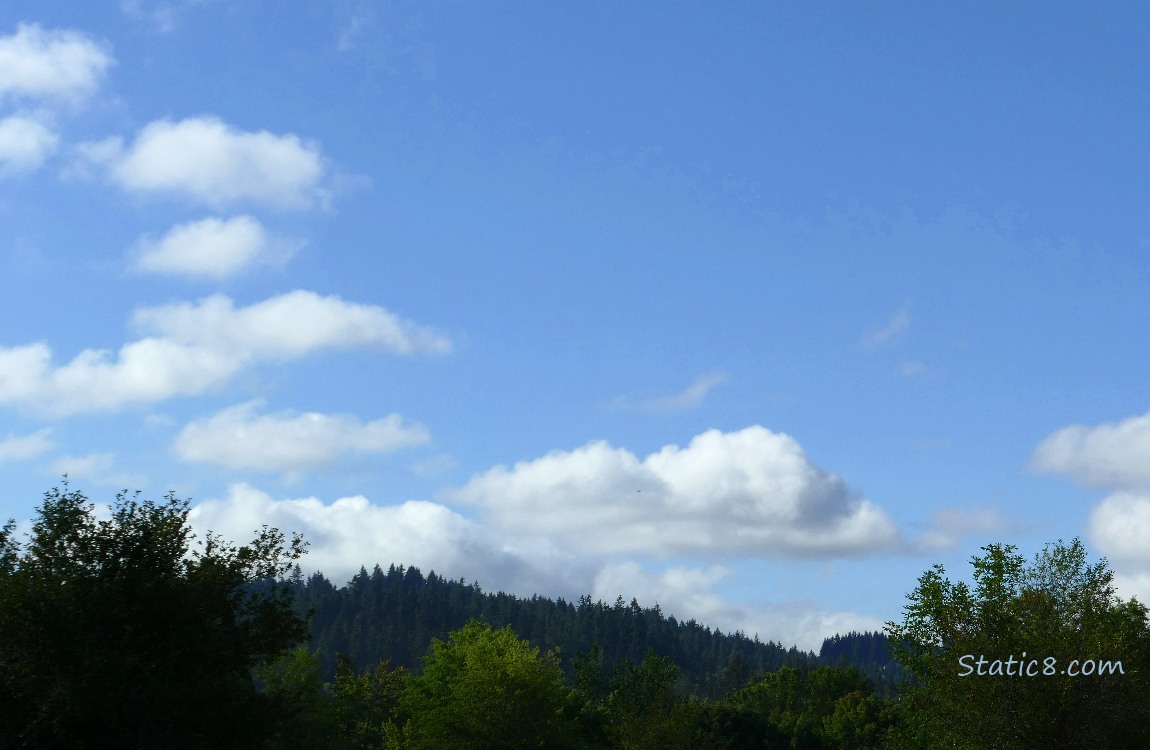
point(241, 438)
point(21, 447)
point(1114, 454)
point(26, 140)
point(687, 399)
point(1120, 526)
point(38, 63)
point(211, 248)
point(201, 346)
point(210, 162)
point(689, 593)
point(751, 492)
point(351, 532)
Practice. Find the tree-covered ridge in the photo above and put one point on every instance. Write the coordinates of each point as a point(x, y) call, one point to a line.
point(123, 632)
point(395, 615)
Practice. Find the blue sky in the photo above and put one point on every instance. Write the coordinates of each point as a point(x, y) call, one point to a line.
point(755, 311)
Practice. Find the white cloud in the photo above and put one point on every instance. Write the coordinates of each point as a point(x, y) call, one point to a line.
point(211, 248)
point(19, 448)
point(352, 531)
point(1114, 454)
point(752, 492)
point(1130, 585)
point(289, 326)
point(687, 399)
point(25, 142)
point(688, 593)
point(36, 63)
point(888, 334)
point(205, 160)
point(1120, 527)
point(241, 438)
point(197, 347)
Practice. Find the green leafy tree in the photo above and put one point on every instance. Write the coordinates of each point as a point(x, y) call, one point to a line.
point(366, 704)
point(118, 633)
point(486, 689)
point(1028, 623)
point(645, 711)
point(295, 685)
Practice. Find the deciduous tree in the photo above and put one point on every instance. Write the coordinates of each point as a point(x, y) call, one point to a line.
point(1028, 623)
point(122, 633)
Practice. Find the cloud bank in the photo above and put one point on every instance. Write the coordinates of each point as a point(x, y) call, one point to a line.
point(352, 531)
point(752, 492)
point(196, 347)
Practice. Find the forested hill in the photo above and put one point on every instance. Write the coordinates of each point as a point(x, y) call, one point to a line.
point(396, 614)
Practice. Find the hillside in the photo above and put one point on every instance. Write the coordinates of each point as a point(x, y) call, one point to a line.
point(396, 614)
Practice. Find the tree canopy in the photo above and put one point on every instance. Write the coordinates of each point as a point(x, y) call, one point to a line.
point(486, 688)
point(124, 632)
point(1029, 656)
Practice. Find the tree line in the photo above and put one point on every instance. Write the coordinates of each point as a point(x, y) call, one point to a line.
point(128, 632)
point(396, 614)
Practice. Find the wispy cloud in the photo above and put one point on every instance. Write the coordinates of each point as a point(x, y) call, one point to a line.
point(164, 15)
point(356, 24)
point(910, 368)
point(689, 398)
point(889, 334)
point(21, 447)
point(949, 526)
point(98, 469)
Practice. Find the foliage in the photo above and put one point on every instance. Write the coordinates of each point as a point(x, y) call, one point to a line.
point(643, 704)
point(118, 631)
point(486, 688)
point(366, 703)
point(395, 613)
point(1059, 607)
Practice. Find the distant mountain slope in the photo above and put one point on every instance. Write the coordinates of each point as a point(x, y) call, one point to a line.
point(396, 614)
